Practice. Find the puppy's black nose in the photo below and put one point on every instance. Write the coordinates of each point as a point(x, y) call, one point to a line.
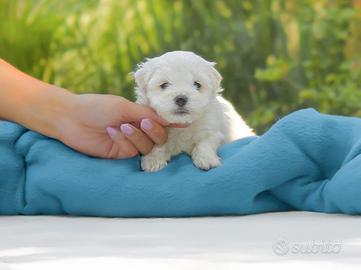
point(180, 100)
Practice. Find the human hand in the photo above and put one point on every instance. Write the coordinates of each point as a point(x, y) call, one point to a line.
point(110, 126)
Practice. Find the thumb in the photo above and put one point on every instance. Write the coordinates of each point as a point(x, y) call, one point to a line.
point(137, 112)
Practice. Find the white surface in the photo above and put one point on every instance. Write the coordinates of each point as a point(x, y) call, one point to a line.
point(45, 242)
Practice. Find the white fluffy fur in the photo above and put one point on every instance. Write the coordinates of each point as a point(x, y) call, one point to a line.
point(212, 120)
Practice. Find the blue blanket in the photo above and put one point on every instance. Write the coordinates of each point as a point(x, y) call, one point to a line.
point(306, 161)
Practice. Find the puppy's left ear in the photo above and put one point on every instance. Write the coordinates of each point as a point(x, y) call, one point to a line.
point(215, 77)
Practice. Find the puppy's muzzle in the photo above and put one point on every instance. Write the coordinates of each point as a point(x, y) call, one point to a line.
point(181, 100)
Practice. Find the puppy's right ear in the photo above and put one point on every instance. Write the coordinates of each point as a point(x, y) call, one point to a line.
point(141, 77)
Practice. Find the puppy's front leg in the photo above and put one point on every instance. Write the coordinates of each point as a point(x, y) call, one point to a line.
point(204, 153)
point(156, 159)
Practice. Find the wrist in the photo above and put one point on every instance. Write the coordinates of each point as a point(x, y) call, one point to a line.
point(46, 111)
point(34, 104)
point(53, 110)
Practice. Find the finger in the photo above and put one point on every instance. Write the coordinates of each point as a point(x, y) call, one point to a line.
point(179, 125)
point(173, 125)
point(122, 148)
point(155, 131)
point(136, 112)
point(141, 141)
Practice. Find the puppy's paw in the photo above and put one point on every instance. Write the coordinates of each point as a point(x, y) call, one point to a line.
point(151, 164)
point(205, 162)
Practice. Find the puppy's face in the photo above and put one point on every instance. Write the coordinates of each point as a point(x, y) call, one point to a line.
point(178, 85)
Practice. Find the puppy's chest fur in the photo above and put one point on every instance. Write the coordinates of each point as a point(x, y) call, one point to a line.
point(184, 139)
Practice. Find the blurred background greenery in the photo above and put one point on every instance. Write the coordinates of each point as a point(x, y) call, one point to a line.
point(275, 56)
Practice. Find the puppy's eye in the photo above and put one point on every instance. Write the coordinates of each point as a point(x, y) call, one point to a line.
point(197, 84)
point(164, 85)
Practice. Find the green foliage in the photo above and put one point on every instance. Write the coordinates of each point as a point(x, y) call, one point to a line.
point(275, 55)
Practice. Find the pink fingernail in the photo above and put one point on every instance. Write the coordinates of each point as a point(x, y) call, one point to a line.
point(126, 129)
point(111, 132)
point(146, 124)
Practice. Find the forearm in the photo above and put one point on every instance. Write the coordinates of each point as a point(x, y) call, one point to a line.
point(31, 102)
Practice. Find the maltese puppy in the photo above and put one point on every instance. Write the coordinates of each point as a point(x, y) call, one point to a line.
point(182, 87)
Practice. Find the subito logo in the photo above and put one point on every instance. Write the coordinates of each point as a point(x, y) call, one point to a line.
point(281, 247)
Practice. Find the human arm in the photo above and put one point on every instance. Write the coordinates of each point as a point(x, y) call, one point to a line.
point(88, 123)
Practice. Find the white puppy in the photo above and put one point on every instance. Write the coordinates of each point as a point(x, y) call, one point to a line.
point(182, 87)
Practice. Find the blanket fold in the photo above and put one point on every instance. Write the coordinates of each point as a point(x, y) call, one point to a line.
point(306, 161)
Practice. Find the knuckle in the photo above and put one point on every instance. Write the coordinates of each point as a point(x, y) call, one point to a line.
point(148, 148)
point(132, 153)
point(127, 151)
point(138, 138)
point(161, 135)
point(144, 145)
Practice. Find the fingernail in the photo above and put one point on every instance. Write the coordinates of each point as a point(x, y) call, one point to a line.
point(126, 129)
point(146, 124)
point(111, 132)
